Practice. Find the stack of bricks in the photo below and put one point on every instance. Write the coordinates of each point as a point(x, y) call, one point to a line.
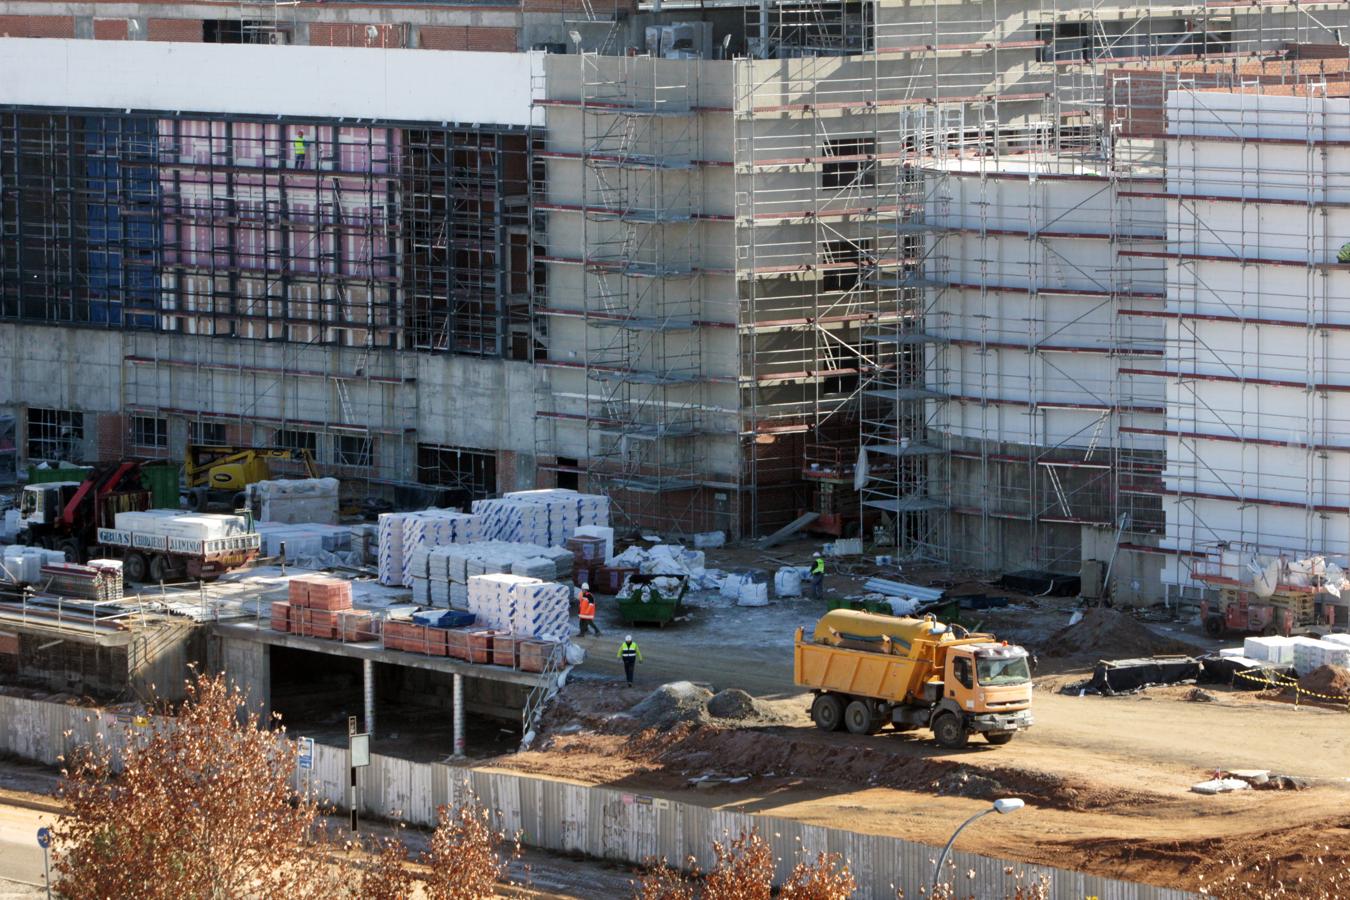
point(315, 603)
point(504, 650)
point(414, 638)
point(357, 626)
point(534, 655)
point(281, 616)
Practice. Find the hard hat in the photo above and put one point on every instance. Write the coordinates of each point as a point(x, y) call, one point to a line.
point(585, 586)
point(817, 553)
point(628, 639)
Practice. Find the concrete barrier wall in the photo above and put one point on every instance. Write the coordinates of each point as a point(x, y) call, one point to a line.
point(607, 824)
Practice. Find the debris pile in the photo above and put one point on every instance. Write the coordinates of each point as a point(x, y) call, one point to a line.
point(1331, 681)
point(671, 704)
point(1108, 632)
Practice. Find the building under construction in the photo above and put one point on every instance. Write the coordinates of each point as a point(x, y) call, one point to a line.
point(914, 269)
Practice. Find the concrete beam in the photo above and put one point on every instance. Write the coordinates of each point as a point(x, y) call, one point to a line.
point(368, 682)
point(250, 631)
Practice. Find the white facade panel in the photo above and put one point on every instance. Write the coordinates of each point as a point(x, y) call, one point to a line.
point(254, 79)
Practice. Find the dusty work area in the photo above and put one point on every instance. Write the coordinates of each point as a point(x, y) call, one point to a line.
point(1106, 779)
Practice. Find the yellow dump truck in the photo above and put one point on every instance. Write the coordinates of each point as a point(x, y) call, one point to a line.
point(867, 670)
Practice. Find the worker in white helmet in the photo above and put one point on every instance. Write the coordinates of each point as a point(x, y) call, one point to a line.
point(631, 655)
point(586, 610)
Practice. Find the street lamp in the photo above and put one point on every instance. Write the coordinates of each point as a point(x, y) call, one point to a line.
point(1002, 807)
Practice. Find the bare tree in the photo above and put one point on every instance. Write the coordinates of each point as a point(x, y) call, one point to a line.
point(743, 869)
point(468, 854)
point(203, 807)
point(827, 877)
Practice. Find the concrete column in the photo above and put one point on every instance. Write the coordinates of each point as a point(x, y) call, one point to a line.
point(368, 677)
point(248, 664)
point(459, 715)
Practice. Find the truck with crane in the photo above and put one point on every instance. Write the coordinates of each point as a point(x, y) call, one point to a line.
point(79, 518)
point(868, 670)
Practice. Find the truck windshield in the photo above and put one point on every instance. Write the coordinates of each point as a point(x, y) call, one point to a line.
point(1002, 671)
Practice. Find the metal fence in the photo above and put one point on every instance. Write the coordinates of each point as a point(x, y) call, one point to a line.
point(614, 825)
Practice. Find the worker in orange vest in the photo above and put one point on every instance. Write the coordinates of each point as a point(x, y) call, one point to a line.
point(586, 611)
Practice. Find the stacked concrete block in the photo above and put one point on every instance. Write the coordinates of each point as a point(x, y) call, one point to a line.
point(23, 565)
point(307, 500)
point(1311, 653)
point(522, 606)
point(389, 559)
point(1276, 650)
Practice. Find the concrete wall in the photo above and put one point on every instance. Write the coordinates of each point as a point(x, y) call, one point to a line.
point(248, 664)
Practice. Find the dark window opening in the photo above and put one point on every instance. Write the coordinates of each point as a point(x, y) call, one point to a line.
point(54, 434)
point(231, 31)
point(149, 431)
point(207, 434)
point(352, 450)
point(296, 440)
point(472, 471)
point(855, 172)
point(837, 254)
point(569, 479)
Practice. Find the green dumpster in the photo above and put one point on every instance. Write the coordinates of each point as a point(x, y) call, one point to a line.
point(644, 600)
point(47, 476)
point(161, 480)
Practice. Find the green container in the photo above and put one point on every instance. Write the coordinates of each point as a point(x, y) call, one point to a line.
point(47, 476)
point(161, 480)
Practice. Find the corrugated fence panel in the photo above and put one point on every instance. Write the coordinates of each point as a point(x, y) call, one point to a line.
point(597, 822)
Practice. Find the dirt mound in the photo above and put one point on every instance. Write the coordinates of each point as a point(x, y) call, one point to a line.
point(1332, 681)
point(766, 752)
point(734, 703)
point(1108, 634)
point(671, 704)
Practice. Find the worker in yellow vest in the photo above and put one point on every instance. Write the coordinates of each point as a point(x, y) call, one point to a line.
point(818, 578)
point(298, 144)
point(630, 654)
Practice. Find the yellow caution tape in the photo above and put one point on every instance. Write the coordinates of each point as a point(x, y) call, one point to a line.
point(1274, 680)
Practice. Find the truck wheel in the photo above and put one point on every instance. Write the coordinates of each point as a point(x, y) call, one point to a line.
point(950, 731)
point(1214, 626)
point(827, 712)
point(71, 548)
point(133, 567)
point(200, 500)
point(858, 717)
point(998, 738)
point(160, 570)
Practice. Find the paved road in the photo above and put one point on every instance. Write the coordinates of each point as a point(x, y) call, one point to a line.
point(20, 856)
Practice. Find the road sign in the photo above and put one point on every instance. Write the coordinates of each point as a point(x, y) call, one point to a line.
point(360, 750)
point(306, 753)
point(44, 838)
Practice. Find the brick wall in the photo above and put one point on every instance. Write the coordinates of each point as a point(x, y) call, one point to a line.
point(189, 30)
point(325, 35)
point(112, 436)
point(435, 37)
point(37, 26)
point(110, 29)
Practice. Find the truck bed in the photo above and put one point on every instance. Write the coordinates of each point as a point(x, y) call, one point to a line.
point(881, 675)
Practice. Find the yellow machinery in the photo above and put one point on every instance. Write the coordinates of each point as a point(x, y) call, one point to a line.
point(867, 670)
point(218, 476)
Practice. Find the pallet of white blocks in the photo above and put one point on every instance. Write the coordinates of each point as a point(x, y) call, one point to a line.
point(523, 606)
point(400, 533)
point(1312, 653)
point(545, 517)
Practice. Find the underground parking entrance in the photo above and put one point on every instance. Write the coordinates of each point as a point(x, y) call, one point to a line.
point(413, 708)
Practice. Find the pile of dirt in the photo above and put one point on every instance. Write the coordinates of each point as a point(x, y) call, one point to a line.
point(734, 703)
point(1331, 681)
point(671, 704)
point(1108, 634)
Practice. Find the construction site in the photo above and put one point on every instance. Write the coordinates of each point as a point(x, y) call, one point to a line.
point(1024, 315)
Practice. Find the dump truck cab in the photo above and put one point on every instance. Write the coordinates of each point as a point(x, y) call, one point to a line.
point(870, 670)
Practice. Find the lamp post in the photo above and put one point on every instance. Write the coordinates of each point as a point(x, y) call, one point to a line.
point(1002, 807)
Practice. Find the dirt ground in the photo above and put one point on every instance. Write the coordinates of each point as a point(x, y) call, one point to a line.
point(1106, 779)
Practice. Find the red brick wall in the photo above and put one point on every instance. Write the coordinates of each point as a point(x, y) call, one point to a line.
point(189, 30)
point(325, 35)
point(112, 436)
point(435, 37)
point(506, 472)
point(37, 26)
point(110, 29)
